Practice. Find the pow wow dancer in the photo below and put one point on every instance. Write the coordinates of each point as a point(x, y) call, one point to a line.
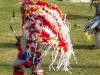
point(43, 29)
point(94, 24)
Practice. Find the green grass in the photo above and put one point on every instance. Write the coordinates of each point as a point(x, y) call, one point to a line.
point(88, 57)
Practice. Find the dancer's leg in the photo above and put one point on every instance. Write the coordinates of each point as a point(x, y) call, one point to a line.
point(18, 71)
point(36, 69)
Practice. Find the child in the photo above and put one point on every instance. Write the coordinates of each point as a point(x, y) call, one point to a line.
point(27, 56)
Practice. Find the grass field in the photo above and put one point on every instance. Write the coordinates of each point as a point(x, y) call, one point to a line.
point(87, 56)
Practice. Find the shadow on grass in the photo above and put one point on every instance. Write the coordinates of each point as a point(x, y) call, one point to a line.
point(85, 66)
point(69, 16)
point(4, 65)
point(77, 66)
point(79, 46)
point(7, 45)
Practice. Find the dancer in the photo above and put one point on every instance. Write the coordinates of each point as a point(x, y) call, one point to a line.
point(43, 28)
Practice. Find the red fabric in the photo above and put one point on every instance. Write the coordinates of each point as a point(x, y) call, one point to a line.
point(29, 63)
point(27, 46)
point(44, 34)
point(20, 54)
point(17, 72)
point(65, 49)
point(19, 47)
point(30, 36)
point(38, 54)
point(33, 49)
